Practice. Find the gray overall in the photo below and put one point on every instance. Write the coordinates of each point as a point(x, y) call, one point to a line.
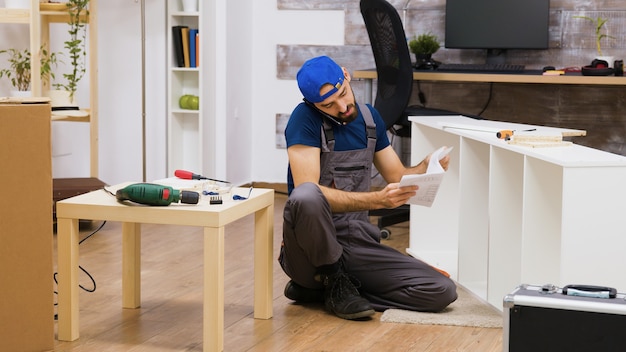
point(314, 236)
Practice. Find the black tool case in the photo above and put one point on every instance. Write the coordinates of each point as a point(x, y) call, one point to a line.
point(547, 318)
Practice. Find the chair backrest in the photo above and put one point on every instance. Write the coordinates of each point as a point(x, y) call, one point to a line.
point(392, 58)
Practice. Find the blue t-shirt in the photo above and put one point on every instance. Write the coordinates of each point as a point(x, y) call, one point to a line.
point(305, 126)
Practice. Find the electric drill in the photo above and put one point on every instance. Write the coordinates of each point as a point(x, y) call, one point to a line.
point(153, 194)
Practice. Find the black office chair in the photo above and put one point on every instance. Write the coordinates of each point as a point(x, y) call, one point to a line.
point(394, 85)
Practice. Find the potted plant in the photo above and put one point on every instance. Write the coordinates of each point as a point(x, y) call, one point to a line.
point(19, 71)
point(75, 46)
point(424, 46)
point(598, 23)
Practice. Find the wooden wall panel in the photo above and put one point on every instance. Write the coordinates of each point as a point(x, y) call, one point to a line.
point(598, 109)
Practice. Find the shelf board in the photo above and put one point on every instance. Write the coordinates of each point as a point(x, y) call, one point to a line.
point(182, 13)
point(14, 15)
point(185, 111)
point(54, 14)
point(52, 7)
point(73, 118)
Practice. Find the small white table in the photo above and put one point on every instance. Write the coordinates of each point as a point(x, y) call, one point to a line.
point(100, 205)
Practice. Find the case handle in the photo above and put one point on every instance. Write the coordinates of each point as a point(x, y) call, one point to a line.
point(590, 291)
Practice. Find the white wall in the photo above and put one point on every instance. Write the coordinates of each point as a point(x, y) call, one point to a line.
point(241, 65)
point(120, 92)
point(270, 95)
point(254, 95)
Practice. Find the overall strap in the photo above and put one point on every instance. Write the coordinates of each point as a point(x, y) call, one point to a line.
point(369, 121)
point(328, 137)
point(370, 126)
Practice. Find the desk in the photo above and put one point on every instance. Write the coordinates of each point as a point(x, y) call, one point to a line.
point(507, 215)
point(100, 205)
point(532, 77)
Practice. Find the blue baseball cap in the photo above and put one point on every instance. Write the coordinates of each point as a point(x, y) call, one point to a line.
point(317, 72)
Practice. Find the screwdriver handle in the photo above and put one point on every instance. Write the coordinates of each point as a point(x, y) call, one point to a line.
point(188, 175)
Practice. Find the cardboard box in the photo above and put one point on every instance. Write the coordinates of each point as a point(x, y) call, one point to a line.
point(26, 238)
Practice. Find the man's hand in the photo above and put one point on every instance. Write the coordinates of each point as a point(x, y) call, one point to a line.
point(445, 162)
point(394, 196)
point(423, 165)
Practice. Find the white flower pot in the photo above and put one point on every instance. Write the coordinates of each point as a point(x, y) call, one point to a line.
point(21, 93)
point(190, 5)
point(62, 105)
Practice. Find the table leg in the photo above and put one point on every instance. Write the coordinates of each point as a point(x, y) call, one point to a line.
point(67, 266)
point(263, 262)
point(131, 265)
point(213, 302)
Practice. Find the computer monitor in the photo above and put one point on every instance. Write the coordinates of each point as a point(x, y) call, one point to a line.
point(497, 25)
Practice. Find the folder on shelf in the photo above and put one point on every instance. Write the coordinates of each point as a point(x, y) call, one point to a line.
point(192, 47)
point(185, 39)
point(177, 45)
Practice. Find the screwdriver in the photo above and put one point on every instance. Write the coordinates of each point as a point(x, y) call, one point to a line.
point(188, 175)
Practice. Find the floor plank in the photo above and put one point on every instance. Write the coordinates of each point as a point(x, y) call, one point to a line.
point(170, 316)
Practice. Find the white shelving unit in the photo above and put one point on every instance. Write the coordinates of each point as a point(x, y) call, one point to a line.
point(185, 127)
point(507, 215)
point(197, 139)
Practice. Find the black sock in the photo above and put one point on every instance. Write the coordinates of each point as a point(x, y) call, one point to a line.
point(330, 269)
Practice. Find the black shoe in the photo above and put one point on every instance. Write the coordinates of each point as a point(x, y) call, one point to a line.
point(343, 298)
point(301, 294)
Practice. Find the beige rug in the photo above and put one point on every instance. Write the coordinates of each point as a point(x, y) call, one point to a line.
point(467, 310)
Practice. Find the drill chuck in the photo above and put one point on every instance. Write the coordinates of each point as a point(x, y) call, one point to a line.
point(189, 197)
point(153, 194)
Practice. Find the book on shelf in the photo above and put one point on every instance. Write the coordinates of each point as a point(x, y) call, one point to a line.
point(198, 49)
point(185, 39)
point(177, 45)
point(193, 33)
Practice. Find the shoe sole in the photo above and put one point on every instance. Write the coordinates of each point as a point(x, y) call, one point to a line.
point(355, 316)
point(290, 292)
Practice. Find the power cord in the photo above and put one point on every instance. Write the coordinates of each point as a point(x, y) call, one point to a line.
point(108, 191)
point(488, 99)
point(420, 95)
point(93, 281)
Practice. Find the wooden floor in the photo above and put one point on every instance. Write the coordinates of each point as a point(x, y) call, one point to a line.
point(170, 318)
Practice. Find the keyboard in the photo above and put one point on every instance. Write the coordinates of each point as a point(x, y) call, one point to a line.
point(481, 68)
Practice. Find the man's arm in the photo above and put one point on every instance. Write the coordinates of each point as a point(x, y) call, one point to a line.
point(391, 168)
point(305, 167)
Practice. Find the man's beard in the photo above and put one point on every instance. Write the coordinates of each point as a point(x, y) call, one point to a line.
point(346, 119)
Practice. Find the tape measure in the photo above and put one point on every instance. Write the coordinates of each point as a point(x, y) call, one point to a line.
point(504, 134)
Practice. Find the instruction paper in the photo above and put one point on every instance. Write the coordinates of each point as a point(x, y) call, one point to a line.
point(428, 182)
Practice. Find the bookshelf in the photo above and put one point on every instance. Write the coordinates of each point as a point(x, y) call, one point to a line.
point(38, 18)
point(185, 126)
